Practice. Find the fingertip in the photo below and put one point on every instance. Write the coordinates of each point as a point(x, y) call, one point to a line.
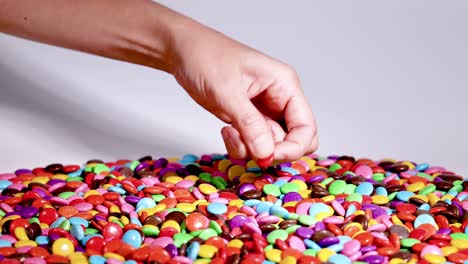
point(233, 143)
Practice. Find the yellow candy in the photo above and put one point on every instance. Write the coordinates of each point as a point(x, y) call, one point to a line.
point(322, 215)
point(90, 192)
point(310, 162)
point(191, 178)
point(288, 260)
point(223, 165)
point(457, 225)
point(124, 220)
point(433, 199)
point(358, 225)
point(248, 177)
point(447, 197)
point(235, 171)
point(114, 256)
point(171, 223)
point(60, 176)
point(328, 198)
point(20, 233)
point(63, 247)
point(396, 220)
point(324, 254)
point(10, 217)
point(422, 197)
point(397, 261)
point(237, 203)
point(302, 185)
point(305, 194)
point(236, 243)
point(207, 188)
point(151, 211)
point(186, 207)
point(78, 258)
point(434, 259)
point(380, 199)
point(459, 243)
point(251, 164)
point(207, 251)
point(197, 202)
point(25, 243)
point(409, 164)
point(415, 187)
point(290, 204)
point(173, 179)
point(449, 250)
point(273, 255)
point(114, 209)
point(42, 180)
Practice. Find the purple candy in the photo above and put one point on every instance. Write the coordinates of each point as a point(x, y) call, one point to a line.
point(291, 197)
point(319, 226)
point(444, 231)
point(163, 171)
point(304, 232)
point(315, 179)
point(160, 163)
point(55, 181)
point(172, 250)
point(132, 199)
point(297, 177)
point(28, 211)
point(22, 171)
point(328, 241)
point(237, 221)
point(374, 259)
point(366, 249)
point(244, 187)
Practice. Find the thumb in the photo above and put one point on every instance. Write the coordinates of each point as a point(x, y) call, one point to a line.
point(253, 128)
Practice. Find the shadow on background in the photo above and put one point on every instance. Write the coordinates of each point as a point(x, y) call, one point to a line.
point(80, 120)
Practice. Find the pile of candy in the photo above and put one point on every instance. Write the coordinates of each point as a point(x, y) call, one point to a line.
point(212, 209)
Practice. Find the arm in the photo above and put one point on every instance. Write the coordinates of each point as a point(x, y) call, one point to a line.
point(251, 92)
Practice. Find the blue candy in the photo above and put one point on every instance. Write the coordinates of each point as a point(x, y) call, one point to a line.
point(217, 208)
point(339, 259)
point(133, 238)
point(192, 250)
point(424, 219)
point(365, 188)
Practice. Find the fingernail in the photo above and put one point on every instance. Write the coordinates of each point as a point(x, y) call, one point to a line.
point(265, 162)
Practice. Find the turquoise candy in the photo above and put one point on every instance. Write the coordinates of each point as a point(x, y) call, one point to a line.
point(217, 208)
point(263, 207)
point(77, 231)
point(339, 259)
point(193, 249)
point(4, 184)
point(424, 219)
point(381, 191)
point(318, 208)
point(133, 238)
point(78, 221)
point(96, 259)
point(42, 240)
point(351, 210)
point(252, 202)
point(145, 203)
point(5, 243)
point(279, 211)
point(404, 195)
point(311, 244)
point(365, 188)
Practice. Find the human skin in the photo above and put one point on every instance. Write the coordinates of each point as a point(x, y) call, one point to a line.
point(250, 91)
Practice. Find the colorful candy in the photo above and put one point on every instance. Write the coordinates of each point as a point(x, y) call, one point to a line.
point(213, 209)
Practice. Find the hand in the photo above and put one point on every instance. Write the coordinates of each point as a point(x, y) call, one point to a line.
point(252, 92)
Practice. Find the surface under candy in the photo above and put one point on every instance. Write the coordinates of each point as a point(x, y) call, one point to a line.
point(212, 209)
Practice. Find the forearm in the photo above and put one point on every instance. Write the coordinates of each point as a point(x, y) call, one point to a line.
point(136, 31)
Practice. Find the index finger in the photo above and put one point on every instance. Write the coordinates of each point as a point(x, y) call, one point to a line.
point(302, 129)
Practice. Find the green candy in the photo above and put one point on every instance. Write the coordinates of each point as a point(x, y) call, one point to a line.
point(456, 188)
point(293, 216)
point(220, 180)
point(378, 177)
point(289, 187)
point(458, 182)
point(215, 226)
point(292, 229)
point(196, 233)
point(409, 242)
point(205, 176)
point(462, 236)
point(65, 225)
point(34, 220)
point(267, 248)
point(207, 233)
point(272, 190)
point(118, 222)
point(181, 238)
point(2, 213)
point(100, 168)
point(334, 167)
point(70, 179)
point(306, 220)
point(392, 196)
point(158, 197)
point(91, 231)
point(424, 175)
point(66, 195)
point(354, 197)
point(428, 189)
point(150, 230)
point(134, 164)
point(337, 187)
point(310, 252)
point(277, 234)
point(327, 181)
point(350, 188)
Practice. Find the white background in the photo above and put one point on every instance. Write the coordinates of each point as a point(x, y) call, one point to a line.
point(386, 79)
